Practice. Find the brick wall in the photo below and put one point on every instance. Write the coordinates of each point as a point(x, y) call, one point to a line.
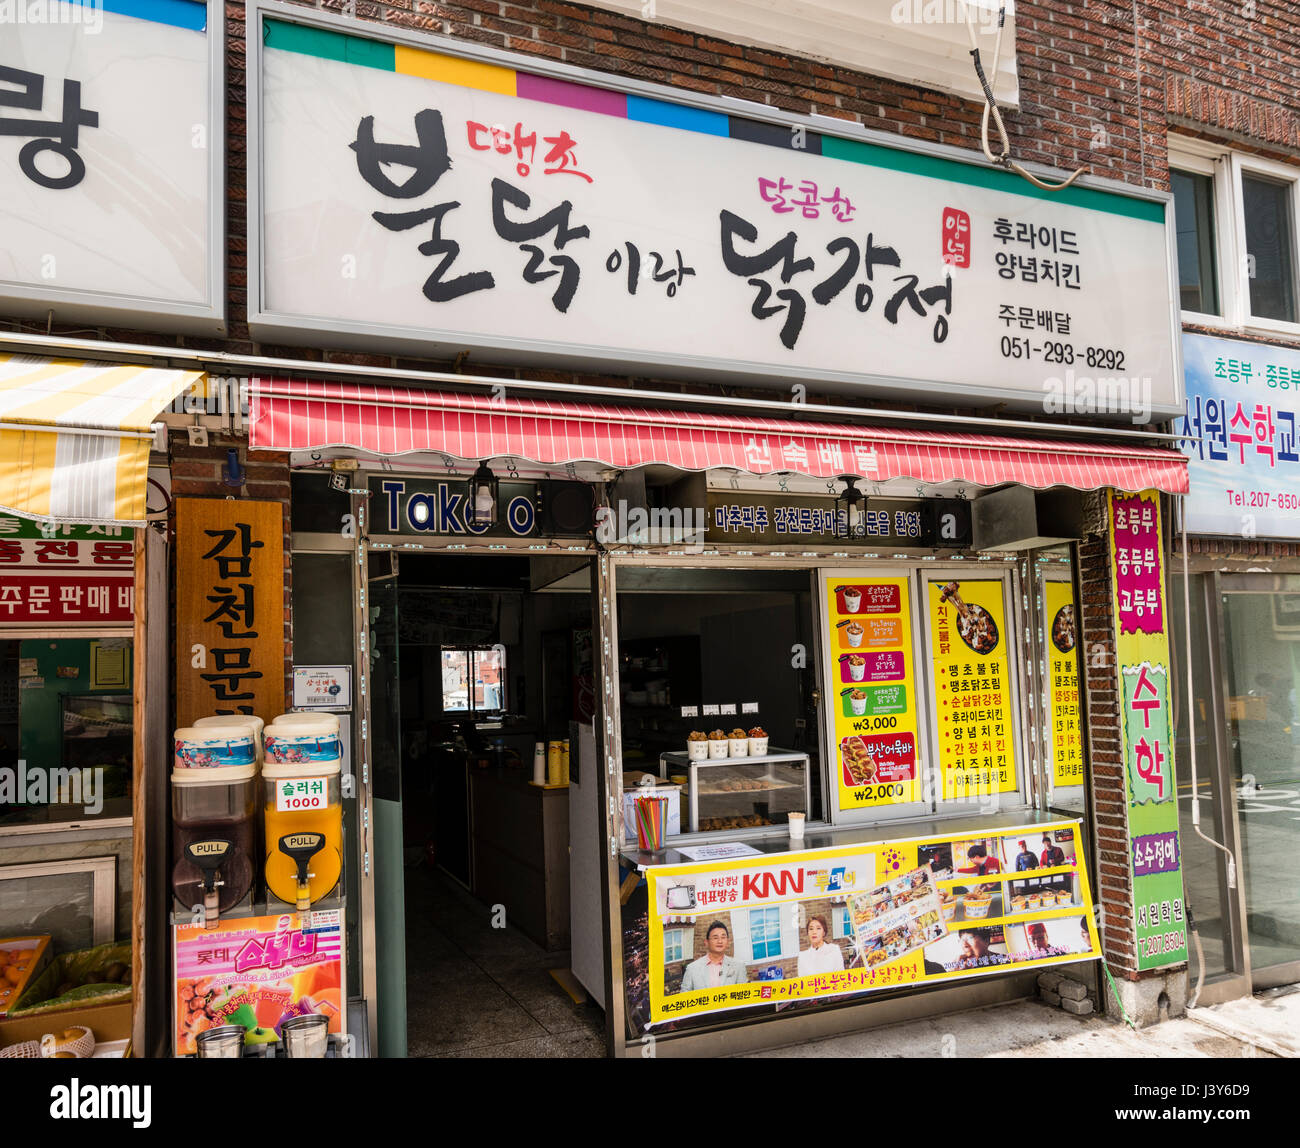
point(196, 473)
point(1106, 779)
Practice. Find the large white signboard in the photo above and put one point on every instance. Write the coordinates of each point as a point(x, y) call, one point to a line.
point(430, 203)
point(1243, 402)
point(111, 163)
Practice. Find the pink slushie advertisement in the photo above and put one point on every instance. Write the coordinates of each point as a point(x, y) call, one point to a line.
point(884, 666)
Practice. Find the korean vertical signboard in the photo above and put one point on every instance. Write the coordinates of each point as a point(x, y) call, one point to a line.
point(112, 162)
point(1142, 651)
point(407, 198)
point(1063, 684)
point(229, 608)
point(972, 689)
point(870, 674)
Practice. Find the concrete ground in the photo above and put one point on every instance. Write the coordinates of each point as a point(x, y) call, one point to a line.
point(472, 990)
point(1267, 1025)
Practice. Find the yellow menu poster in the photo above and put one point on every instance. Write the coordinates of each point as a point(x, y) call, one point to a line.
point(972, 688)
point(872, 698)
point(1063, 681)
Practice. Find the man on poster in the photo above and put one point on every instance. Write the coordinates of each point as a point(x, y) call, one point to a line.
point(1025, 859)
point(1053, 854)
point(715, 968)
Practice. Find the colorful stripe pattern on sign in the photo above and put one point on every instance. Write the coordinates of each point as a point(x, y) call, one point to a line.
point(446, 69)
point(190, 14)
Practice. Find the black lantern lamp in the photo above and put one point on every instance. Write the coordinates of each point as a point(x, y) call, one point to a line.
point(850, 509)
point(482, 509)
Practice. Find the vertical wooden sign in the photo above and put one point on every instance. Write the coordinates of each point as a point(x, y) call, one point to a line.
point(229, 608)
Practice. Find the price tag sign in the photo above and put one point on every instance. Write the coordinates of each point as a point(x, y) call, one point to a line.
point(301, 794)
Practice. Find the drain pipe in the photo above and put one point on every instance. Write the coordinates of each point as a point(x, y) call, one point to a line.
point(1191, 755)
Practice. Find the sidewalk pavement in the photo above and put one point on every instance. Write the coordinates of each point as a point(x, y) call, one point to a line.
point(1266, 1025)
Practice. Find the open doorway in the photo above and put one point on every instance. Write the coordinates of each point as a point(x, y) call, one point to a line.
point(475, 660)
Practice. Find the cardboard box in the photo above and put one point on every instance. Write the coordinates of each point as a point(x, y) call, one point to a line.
point(33, 953)
point(108, 1022)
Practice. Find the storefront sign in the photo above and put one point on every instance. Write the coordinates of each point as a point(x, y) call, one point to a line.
point(932, 523)
point(322, 687)
point(437, 506)
point(1142, 647)
point(1063, 671)
point(410, 199)
point(972, 679)
point(870, 679)
point(258, 972)
point(1243, 400)
point(65, 575)
point(860, 918)
point(112, 162)
point(229, 608)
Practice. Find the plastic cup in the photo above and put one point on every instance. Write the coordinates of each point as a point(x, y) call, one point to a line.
point(796, 821)
point(306, 1037)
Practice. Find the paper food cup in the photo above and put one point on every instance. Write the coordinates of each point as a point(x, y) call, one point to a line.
point(949, 908)
point(976, 907)
point(739, 746)
point(718, 749)
point(857, 672)
point(1064, 898)
point(757, 746)
point(1034, 901)
point(1019, 904)
point(854, 639)
point(852, 600)
point(858, 705)
point(697, 750)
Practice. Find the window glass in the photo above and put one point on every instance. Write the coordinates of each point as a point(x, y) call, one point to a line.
point(473, 680)
point(1194, 216)
point(765, 933)
point(1267, 210)
point(66, 748)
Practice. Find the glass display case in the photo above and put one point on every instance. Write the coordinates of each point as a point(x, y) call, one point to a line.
point(742, 792)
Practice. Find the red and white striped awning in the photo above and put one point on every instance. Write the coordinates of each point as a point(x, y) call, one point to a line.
point(305, 415)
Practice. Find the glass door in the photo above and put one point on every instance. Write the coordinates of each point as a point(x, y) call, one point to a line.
point(385, 837)
point(1261, 640)
point(1218, 960)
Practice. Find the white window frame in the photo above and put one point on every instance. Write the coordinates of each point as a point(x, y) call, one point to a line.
point(1232, 280)
point(686, 937)
point(1280, 173)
